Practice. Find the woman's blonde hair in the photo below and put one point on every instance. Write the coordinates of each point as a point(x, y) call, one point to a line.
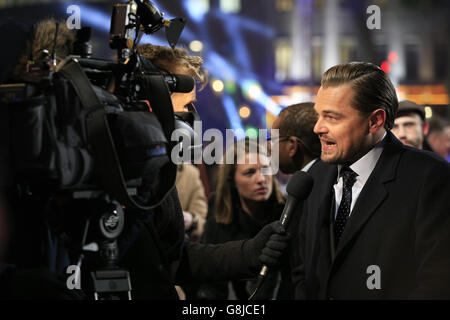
point(223, 206)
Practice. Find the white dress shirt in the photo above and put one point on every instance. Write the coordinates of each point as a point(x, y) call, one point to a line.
point(363, 168)
point(309, 165)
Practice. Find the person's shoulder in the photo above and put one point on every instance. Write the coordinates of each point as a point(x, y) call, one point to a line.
point(188, 176)
point(423, 157)
point(278, 207)
point(422, 165)
point(410, 156)
point(190, 168)
point(319, 167)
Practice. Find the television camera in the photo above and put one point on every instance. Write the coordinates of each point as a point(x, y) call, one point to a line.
point(96, 130)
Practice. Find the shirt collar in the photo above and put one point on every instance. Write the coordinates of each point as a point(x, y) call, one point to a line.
point(309, 165)
point(365, 165)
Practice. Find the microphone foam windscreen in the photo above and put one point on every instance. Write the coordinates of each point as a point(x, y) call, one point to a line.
point(300, 185)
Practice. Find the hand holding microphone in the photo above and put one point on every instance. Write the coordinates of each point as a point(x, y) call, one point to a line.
point(298, 188)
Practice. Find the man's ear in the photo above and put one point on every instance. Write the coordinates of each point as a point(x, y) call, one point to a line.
point(292, 147)
point(425, 128)
point(377, 120)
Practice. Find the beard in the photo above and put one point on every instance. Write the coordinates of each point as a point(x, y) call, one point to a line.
point(348, 157)
point(417, 143)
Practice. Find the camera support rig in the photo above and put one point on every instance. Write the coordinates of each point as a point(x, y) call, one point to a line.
point(106, 215)
point(110, 282)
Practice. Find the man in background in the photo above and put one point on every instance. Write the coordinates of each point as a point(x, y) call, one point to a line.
point(299, 149)
point(439, 137)
point(299, 146)
point(410, 125)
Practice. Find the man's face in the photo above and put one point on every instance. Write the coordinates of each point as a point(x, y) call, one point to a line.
point(342, 129)
point(181, 100)
point(409, 129)
point(440, 142)
point(284, 146)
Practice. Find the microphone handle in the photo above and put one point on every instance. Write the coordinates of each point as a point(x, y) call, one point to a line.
point(289, 207)
point(261, 277)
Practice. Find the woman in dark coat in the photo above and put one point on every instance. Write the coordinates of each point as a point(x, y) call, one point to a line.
point(247, 198)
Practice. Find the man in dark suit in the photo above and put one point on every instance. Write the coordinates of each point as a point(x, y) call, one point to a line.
point(377, 222)
point(299, 149)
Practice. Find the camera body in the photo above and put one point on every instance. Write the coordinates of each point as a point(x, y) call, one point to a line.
point(87, 124)
point(85, 143)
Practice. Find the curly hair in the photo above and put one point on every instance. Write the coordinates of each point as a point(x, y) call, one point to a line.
point(43, 38)
point(175, 61)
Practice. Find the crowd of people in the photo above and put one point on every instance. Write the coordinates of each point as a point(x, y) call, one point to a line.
point(375, 226)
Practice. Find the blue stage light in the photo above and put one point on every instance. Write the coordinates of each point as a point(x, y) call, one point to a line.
point(233, 116)
point(217, 65)
point(196, 9)
point(239, 47)
point(93, 17)
point(244, 23)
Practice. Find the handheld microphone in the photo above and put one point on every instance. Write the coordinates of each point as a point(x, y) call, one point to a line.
point(298, 188)
point(179, 82)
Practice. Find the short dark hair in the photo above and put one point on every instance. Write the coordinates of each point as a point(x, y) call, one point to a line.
point(299, 120)
point(371, 86)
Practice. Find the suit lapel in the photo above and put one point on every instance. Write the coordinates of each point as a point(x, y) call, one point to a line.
point(372, 194)
point(321, 255)
point(325, 208)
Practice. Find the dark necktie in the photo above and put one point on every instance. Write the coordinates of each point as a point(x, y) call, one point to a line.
point(349, 177)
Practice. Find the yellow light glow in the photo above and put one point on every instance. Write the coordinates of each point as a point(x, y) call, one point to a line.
point(217, 85)
point(428, 112)
point(196, 46)
point(244, 112)
point(254, 91)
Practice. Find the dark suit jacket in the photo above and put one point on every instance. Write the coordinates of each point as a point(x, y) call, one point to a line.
point(400, 223)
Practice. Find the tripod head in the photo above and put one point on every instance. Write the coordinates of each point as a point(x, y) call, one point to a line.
point(109, 281)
